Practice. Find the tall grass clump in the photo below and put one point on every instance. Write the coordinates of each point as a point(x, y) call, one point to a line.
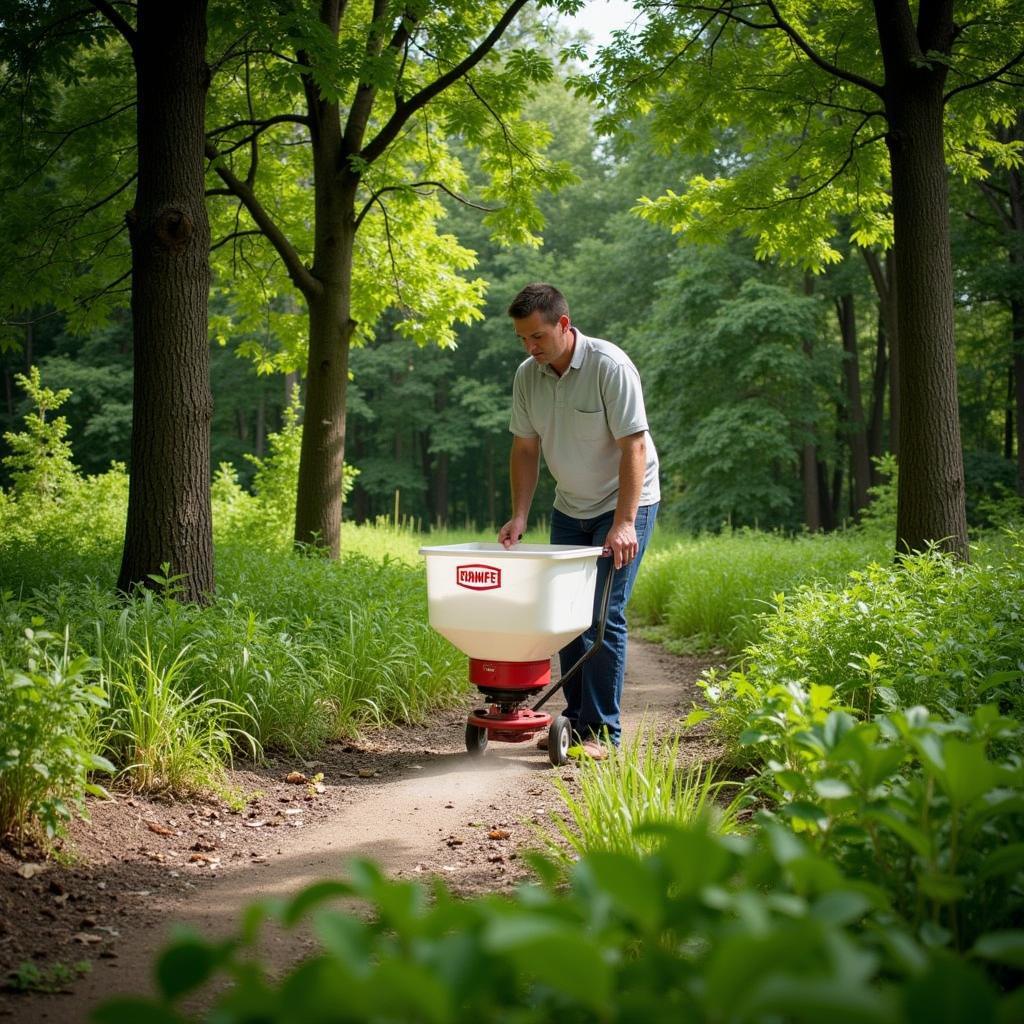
point(711, 591)
point(642, 784)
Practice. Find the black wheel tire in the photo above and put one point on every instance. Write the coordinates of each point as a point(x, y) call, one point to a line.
point(559, 738)
point(476, 740)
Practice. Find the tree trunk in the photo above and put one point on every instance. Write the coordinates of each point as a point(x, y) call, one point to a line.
point(169, 517)
point(259, 441)
point(883, 276)
point(1008, 415)
point(812, 499)
point(1018, 387)
point(931, 501)
point(876, 421)
point(856, 432)
point(318, 501)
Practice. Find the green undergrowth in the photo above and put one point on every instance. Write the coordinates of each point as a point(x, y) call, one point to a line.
point(704, 928)
point(929, 630)
point(708, 592)
point(292, 651)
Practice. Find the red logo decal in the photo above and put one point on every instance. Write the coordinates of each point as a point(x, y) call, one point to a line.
point(478, 577)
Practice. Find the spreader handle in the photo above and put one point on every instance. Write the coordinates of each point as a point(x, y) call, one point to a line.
point(606, 595)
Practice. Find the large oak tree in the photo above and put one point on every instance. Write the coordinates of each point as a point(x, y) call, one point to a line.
point(364, 98)
point(851, 109)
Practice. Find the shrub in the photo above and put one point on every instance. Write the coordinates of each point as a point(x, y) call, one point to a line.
point(45, 757)
point(705, 928)
point(914, 805)
point(40, 460)
point(929, 630)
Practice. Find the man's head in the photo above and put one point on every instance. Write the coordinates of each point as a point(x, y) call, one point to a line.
point(540, 316)
point(541, 298)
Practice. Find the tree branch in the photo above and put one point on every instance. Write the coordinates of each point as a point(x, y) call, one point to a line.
point(233, 236)
point(366, 92)
point(297, 271)
point(116, 19)
point(412, 186)
point(404, 111)
point(998, 73)
point(816, 58)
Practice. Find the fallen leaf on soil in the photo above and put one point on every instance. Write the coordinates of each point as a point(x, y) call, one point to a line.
point(204, 858)
point(86, 938)
point(454, 842)
point(367, 773)
point(254, 824)
point(293, 810)
point(31, 870)
point(498, 833)
point(203, 846)
point(160, 830)
point(296, 778)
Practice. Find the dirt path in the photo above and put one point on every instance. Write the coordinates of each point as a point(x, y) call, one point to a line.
point(411, 799)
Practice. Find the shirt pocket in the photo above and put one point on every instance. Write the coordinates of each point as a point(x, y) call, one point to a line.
point(589, 426)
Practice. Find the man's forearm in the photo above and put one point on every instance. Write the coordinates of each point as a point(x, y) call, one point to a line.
point(523, 471)
point(632, 469)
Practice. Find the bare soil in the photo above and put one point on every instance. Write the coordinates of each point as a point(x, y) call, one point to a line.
point(410, 798)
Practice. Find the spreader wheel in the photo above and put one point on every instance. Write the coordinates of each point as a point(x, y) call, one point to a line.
point(476, 740)
point(559, 735)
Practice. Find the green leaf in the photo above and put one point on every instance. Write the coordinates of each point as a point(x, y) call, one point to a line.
point(942, 888)
point(632, 889)
point(803, 810)
point(949, 992)
point(832, 789)
point(1006, 860)
point(968, 772)
point(1004, 947)
point(133, 1010)
point(313, 896)
point(185, 965)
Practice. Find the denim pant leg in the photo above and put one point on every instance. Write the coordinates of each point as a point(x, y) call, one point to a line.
point(594, 696)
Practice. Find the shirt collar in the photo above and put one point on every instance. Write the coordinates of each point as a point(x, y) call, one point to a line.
point(578, 353)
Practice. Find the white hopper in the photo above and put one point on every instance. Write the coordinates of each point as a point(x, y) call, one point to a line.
point(523, 604)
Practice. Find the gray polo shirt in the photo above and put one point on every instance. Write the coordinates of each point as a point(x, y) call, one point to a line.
point(578, 418)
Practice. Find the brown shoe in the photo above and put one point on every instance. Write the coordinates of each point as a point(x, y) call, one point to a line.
point(594, 749)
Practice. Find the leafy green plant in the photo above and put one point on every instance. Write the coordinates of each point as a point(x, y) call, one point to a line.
point(910, 803)
point(54, 977)
point(40, 460)
point(46, 695)
point(646, 782)
point(705, 928)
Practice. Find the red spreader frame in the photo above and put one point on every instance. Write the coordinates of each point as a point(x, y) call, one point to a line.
point(509, 685)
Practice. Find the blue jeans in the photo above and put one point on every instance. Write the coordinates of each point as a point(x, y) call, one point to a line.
point(593, 696)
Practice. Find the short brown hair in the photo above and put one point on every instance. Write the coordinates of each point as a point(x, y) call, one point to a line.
point(541, 298)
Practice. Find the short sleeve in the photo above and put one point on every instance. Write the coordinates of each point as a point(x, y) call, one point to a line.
point(520, 424)
point(623, 400)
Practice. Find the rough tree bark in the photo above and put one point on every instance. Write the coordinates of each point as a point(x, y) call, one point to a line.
point(169, 517)
point(931, 506)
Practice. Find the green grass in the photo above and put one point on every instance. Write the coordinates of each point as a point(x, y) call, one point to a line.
point(642, 784)
point(292, 651)
point(707, 592)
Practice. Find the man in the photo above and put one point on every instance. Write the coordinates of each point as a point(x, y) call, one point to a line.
point(579, 401)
